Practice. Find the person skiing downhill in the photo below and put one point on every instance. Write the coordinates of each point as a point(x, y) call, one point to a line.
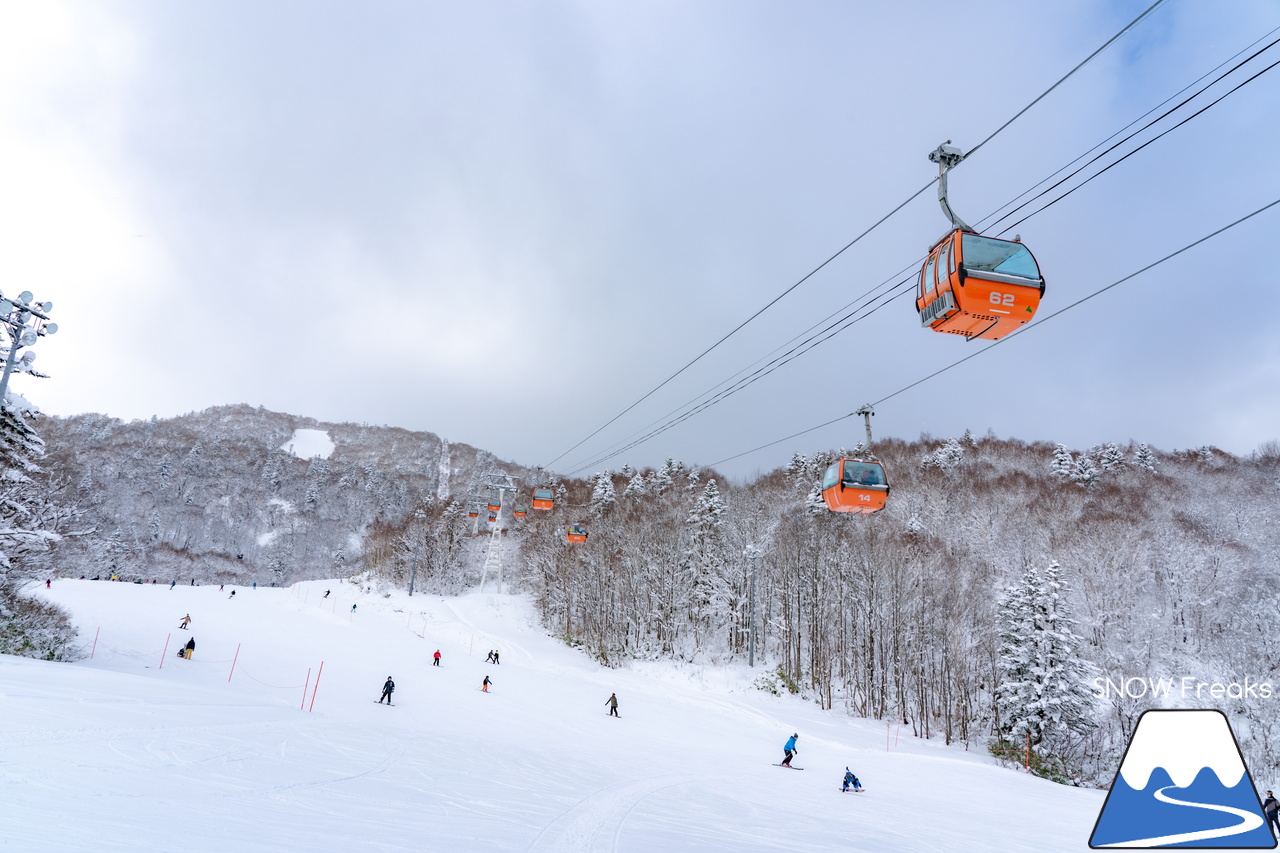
point(850, 781)
point(186, 620)
point(612, 702)
point(790, 749)
point(387, 690)
point(435, 659)
point(485, 687)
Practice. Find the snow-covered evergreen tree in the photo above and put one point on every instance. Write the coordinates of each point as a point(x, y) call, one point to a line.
point(1064, 464)
point(1085, 473)
point(968, 439)
point(945, 458)
point(1044, 681)
point(603, 496)
point(1112, 459)
point(637, 486)
point(705, 559)
point(1143, 458)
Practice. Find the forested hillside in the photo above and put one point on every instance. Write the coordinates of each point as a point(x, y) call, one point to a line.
point(1167, 560)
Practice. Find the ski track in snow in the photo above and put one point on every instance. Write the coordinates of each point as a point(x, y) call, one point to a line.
point(595, 824)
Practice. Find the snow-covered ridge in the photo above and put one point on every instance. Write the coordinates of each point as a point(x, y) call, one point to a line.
point(1183, 743)
point(309, 443)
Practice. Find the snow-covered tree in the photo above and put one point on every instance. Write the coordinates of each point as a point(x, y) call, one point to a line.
point(1064, 464)
point(945, 458)
point(1112, 459)
point(1085, 473)
point(968, 439)
point(637, 486)
point(603, 496)
point(1044, 680)
point(1143, 458)
point(705, 559)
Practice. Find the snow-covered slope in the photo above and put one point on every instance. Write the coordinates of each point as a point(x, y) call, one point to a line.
point(138, 750)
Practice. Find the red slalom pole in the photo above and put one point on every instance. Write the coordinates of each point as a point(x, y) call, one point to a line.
point(317, 687)
point(95, 642)
point(304, 690)
point(233, 662)
point(164, 653)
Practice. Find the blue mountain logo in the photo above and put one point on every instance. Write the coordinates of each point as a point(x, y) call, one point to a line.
point(1182, 783)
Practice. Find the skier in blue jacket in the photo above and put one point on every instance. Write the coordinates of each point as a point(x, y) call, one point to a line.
point(850, 781)
point(790, 749)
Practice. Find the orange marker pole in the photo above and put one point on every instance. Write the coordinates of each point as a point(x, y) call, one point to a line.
point(233, 663)
point(95, 642)
point(164, 653)
point(316, 688)
point(304, 690)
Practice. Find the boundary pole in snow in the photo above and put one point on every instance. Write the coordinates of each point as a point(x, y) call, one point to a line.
point(896, 733)
point(1028, 752)
point(233, 663)
point(304, 690)
point(95, 642)
point(317, 687)
point(165, 653)
point(886, 735)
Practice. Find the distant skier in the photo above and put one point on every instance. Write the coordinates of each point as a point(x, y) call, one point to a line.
point(186, 620)
point(326, 593)
point(489, 657)
point(353, 608)
point(172, 584)
point(612, 702)
point(387, 690)
point(191, 648)
point(255, 584)
point(495, 656)
point(790, 749)
point(232, 595)
point(48, 583)
point(850, 781)
point(485, 687)
point(435, 659)
point(1271, 808)
point(222, 587)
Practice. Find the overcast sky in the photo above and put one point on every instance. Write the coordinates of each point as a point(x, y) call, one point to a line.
point(505, 222)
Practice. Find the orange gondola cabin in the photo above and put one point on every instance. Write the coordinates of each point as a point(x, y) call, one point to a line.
point(978, 287)
point(543, 498)
point(494, 505)
point(855, 485)
point(493, 516)
point(577, 533)
point(520, 512)
point(474, 512)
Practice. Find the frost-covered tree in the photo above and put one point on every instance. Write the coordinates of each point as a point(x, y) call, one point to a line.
point(705, 559)
point(968, 439)
point(1143, 458)
point(637, 486)
point(813, 502)
point(945, 458)
point(1112, 459)
point(1085, 473)
point(603, 496)
point(1043, 688)
point(1064, 464)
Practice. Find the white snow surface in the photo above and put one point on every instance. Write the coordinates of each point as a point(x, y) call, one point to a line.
point(1164, 739)
point(309, 443)
point(136, 749)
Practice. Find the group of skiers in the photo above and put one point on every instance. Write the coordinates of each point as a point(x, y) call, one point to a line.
point(851, 781)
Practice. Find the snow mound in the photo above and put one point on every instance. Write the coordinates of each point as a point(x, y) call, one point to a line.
point(309, 444)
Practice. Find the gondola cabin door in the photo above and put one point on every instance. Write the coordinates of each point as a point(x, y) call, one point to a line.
point(855, 485)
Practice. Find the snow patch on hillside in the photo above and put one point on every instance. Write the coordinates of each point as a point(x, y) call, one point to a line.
point(309, 444)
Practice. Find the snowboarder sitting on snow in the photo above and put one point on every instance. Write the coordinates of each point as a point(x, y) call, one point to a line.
point(612, 702)
point(387, 690)
point(850, 781)
point(790, 749)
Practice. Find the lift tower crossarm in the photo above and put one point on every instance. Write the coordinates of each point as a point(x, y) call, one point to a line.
point(947, 156)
